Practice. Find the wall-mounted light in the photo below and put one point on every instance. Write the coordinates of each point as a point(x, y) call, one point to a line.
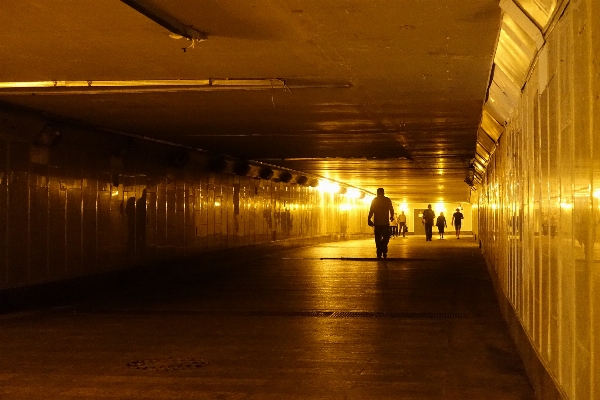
point(368, 198)
point(346, 207)
point(301, 180)
point(329, 187)
point(354, 193)
point(285, 177)
point(241, 168)
point(265, 173)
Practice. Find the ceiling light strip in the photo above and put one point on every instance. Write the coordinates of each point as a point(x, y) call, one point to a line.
point(163, 85)
point(274, 82)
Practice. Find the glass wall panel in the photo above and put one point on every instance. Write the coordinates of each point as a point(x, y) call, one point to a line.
point(594, 25)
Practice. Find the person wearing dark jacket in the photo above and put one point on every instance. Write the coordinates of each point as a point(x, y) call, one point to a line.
point(382, 212)
point(428, 217)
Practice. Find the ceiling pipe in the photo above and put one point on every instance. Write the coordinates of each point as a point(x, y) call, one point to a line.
point(165, 20)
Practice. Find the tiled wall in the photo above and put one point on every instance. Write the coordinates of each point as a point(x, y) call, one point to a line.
point(540, 204)
point(96, 202)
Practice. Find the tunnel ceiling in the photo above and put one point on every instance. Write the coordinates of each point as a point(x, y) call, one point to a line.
point(368, 92)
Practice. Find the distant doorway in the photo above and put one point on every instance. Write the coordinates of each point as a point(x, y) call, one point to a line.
point(419, 228)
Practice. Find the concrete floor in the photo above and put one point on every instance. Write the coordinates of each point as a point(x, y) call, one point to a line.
point(322, 322)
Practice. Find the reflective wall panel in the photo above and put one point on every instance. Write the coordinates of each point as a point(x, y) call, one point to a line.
point(94, 202)
point(540, 204)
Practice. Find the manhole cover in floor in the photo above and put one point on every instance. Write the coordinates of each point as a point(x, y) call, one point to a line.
point(167, 364)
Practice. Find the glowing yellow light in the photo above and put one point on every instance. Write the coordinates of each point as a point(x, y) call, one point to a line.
point(151, 82)
point(597, 193)
point(566, 206)
point(439, 208)
point(346, 207)
point(115, 193)
point(368, 199)
point(353, 193)
point(217, 204)
point(328, 186)
point(404, 207)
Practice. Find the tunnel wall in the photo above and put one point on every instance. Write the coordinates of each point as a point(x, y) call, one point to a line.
point(540, 209)
point(95, 202)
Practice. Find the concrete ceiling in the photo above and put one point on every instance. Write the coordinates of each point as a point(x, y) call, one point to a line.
point(377, 92)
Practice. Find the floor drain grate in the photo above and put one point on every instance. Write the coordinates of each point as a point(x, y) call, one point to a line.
point(167, 364)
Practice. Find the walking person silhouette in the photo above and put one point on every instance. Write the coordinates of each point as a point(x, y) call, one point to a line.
point(382, 212)
point(457, 218)
point(428, 217)
point(441, 224)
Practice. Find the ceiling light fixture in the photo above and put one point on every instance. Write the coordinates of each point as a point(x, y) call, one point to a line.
point(133, 86)
point(56, 87)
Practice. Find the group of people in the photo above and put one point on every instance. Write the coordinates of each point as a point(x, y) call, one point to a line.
point(384, 221)
point(398, 225)
point(429, 217)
